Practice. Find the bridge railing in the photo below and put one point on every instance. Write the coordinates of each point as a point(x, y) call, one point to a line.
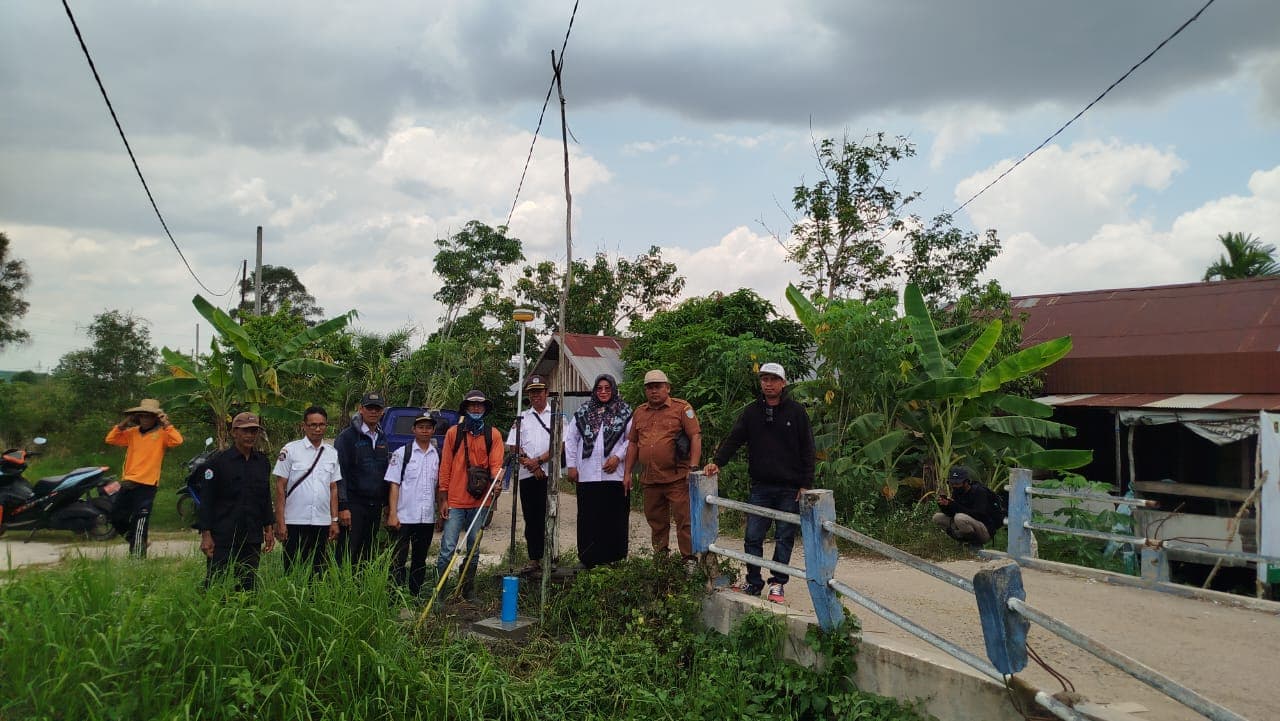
point(1001, 599)
point(1154, 551)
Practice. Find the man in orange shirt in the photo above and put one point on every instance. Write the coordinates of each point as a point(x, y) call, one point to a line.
point(472, 443)
point(146, 433)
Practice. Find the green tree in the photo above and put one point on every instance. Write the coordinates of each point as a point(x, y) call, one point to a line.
point(14, 280)
point(711, 347)
point(470, 264)
point(281, 289)
point(606, 295)
point(113, 372)
point(855, 238)
point(1246, 257)
point(238, 375)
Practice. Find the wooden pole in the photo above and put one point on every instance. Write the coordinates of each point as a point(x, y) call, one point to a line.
point(552, 553)
point(257, 278)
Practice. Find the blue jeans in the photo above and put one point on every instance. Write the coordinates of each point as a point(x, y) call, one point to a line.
point(779, 498)
point(454, 525)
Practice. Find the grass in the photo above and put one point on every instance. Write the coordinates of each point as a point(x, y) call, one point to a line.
point(122, 639)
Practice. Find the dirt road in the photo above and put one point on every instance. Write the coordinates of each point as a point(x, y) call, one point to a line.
point(1226, 653)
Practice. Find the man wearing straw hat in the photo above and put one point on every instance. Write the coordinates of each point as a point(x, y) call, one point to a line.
point(145, 433)
point(464, 506)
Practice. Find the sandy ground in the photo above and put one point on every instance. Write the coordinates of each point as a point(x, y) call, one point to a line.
point(1223, 652)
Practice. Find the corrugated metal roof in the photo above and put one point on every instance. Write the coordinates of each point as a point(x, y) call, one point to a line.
point(589, 356)
point(1180, 401)
point(1220, 337)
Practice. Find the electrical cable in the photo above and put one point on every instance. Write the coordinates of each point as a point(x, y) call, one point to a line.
point(84, 48)
point(1076, 117)
point(541, 115)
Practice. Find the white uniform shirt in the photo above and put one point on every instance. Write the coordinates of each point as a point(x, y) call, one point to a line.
point(308, 505)
point(535, 440)
point(591, 469)
point(417, 501)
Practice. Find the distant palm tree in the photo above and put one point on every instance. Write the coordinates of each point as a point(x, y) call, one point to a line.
point(1246, 257)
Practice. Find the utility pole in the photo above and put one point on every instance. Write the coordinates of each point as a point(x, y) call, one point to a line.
point(195, 351)
point(562, 366)
point(257, 278)
point(244, 287)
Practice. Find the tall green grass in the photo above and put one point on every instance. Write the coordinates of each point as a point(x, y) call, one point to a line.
point(123, 639)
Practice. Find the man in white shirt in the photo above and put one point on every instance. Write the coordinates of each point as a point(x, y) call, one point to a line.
point(306, 491)
point(412, 473)
point(533, 427)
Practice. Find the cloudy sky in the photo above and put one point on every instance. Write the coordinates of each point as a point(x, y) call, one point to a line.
point(358, 133)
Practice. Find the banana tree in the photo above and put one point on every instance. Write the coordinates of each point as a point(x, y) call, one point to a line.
point(958, 411)
point(239, 376)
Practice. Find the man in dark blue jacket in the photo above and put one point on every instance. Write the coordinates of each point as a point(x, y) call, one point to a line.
point(780, 460)
point(362, 494)
point(235, 515)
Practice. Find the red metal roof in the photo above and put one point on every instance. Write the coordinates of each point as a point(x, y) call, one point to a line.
point(1189, 401)
point(1219, 337)
point(587, 346)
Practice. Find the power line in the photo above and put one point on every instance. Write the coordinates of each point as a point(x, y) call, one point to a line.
point(138, 170)
point(1085, 109)
point(545, 101)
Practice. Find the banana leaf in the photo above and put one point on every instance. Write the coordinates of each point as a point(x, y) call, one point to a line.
point(228, 329)
point(290, 348)
point(806, 312)
point(1019, 406)
point(1058, 459)
point(175, 386)
point(1020, 426)
point(310, 366)
point(980, 350)
point(1025, 362)
point(923, 332)
point(883, 448)
point(943, 388)
point(178, 363)
point(956, 334)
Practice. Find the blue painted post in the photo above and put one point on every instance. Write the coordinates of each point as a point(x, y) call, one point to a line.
point(1155, 565)
point(510, 597)
point(1019, 512)
point(703, 517)
point(1004, 631)
point(820, 555)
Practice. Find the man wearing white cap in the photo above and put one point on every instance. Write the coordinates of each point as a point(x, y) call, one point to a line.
point(666, 439)
point(780, 463)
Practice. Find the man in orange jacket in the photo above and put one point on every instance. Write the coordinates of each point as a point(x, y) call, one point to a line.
point(146, 433)
point(472, 443)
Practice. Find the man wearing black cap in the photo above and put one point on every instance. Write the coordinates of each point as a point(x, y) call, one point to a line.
point(534, 433)
point(411, 509)
point(973, 513)
point(362, 494)
point(473, 443)
point(235, 513)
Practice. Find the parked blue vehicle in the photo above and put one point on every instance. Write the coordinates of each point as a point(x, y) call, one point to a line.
point(397, 422)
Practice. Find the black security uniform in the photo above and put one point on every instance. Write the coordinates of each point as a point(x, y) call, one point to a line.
point(235, 509)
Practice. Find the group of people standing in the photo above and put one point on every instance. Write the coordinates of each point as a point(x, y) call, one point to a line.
point(320, 496)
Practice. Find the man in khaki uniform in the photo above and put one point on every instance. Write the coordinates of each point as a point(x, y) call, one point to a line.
point(655, 428)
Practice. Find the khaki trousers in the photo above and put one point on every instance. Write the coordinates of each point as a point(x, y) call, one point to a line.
point(664, 503)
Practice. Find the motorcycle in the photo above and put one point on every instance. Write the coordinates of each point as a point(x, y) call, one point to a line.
point(189, 494)
point(57, 502)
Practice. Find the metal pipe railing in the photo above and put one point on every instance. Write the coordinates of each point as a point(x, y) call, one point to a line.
point(776, 515)
point(1131, 666)
point(1085, 496)
point(1085, 533)
point(899, 555)
point(761, 562)
point(1174, 544)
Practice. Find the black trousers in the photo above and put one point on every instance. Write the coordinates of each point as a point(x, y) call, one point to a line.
point(131, 515)
point(240, 559)
point(411, 543)
point(306, 544)
point(356, 542)
point(603, 515)
point(533, 507)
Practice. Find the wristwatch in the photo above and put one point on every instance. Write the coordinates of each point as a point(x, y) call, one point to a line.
point(333, 520)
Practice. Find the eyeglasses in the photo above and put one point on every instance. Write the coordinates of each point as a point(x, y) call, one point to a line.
point(317, 425)
point(603, 388)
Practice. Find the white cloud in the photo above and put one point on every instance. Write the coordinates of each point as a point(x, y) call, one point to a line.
point(741, 259)
point(1062, 195)
point(958, 126)
point(1135, 253)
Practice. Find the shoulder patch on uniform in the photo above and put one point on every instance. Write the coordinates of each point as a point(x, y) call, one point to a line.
point(208, 474)
point(282, 455)
point(688, 412)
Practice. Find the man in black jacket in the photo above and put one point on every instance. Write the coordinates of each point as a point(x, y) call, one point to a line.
point(362, 494)
point(235, 515)
point(972, 513)
point(780, 459)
